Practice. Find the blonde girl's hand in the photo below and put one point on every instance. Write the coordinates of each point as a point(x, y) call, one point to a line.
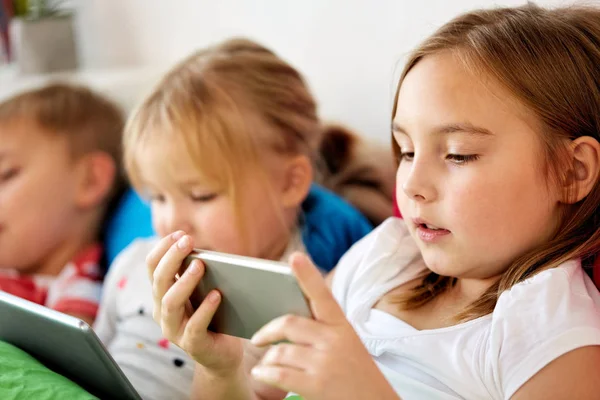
point(217, 353)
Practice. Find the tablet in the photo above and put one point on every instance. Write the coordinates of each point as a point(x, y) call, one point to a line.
point(254, 292)
point(65, 344)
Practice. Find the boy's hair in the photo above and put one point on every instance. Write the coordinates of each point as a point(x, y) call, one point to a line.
point(549, 60)
point(89, 121)
point(221, 107)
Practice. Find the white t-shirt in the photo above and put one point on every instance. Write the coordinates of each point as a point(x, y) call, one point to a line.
point(156, 368)
point(535, 322)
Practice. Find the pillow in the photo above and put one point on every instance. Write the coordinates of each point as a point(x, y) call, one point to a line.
point(23, 377)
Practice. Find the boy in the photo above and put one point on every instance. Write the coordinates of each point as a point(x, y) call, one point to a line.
point(59, 175)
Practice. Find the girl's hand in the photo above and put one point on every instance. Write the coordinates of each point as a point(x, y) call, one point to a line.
point(325, 359)
point(220, 354)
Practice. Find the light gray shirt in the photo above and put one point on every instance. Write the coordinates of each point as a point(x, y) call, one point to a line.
point(157, 369)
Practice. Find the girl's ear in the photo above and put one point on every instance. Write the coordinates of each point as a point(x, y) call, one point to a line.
point(585, 171)
point(298, 177)
point(96, 175)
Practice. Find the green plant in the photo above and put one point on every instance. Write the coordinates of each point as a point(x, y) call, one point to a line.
point(36, 9)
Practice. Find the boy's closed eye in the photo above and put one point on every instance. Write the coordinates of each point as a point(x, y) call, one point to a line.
point(155, 198)
point(9, 173)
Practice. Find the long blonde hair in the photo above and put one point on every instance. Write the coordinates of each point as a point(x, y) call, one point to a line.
point(223, 106)
point(549, 60)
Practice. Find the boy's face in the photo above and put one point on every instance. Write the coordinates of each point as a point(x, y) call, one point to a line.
point(37, 192)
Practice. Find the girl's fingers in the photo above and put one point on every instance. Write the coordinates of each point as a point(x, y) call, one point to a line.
point(290, 355)
point(285, 378)
point(202, 317)
point(293, 329)
point(324, 306)
point(168, 266)
point(159, 251)
point(174, 304)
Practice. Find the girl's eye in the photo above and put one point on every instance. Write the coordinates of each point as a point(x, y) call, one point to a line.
point(462, 159)
point(203, 198)
point(156, 198)
point(9, 174)
point(459, 159)
point(406, 156)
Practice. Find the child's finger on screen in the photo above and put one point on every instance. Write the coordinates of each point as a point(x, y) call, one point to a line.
point(322, 303)
point(157, 253)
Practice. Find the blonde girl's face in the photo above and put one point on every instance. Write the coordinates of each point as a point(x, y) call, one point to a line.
point(182, 198)
point(470, 183)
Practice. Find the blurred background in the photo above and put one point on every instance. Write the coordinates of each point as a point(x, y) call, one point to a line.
point(350, 51)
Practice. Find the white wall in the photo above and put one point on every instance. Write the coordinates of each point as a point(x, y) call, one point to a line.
point(348, 50)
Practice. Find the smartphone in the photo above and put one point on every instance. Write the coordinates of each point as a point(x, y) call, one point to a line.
point(253, 292)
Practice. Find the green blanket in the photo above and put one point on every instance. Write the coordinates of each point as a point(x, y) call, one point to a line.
point(23, 377)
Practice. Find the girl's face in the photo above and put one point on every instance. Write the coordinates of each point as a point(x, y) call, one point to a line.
point(185, 200)
point(470, 183)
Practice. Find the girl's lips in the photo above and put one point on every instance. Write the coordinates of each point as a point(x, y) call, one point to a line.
point(429, 233)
